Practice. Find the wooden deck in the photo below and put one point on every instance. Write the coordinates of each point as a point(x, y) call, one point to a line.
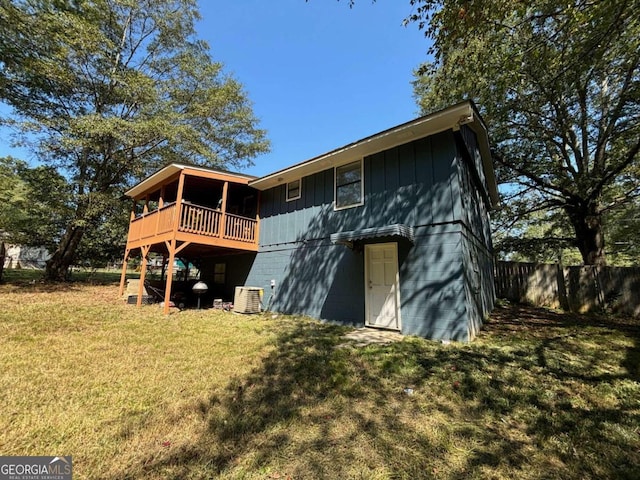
point(194, 223)
point(175, 220)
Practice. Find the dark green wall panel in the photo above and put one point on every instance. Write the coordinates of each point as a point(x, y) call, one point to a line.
point(237, 272)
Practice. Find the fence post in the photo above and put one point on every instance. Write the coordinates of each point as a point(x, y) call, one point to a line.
point(2, 255)
point(563, 298)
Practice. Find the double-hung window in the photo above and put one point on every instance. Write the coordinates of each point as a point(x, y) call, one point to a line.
point(349, 186)
point(293, 190)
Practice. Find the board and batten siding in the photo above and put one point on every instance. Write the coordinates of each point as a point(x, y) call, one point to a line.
point(478, 281)
point(476, 232)
point(474, 201)
point(416, 184)
point(314, 278)
point(432, 285)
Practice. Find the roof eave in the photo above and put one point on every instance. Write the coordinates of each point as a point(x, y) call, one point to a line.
point(157, 178)
point(451, 117)
point(154, 179)
point(480, 129)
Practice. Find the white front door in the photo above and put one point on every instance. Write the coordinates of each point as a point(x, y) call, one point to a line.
point(382, 285)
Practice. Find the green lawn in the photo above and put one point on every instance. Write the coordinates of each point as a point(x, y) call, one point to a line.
point(130, 393)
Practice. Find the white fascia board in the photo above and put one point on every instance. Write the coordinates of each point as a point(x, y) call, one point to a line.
point(437, 122)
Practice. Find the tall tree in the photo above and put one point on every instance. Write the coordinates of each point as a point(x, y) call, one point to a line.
point(105, 240)
point(558, 82)
point(108, 90)
point(35, 204)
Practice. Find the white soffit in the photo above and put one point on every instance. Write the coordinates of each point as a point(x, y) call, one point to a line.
point(446, 119)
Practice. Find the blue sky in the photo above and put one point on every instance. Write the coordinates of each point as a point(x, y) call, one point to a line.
point(320, 74)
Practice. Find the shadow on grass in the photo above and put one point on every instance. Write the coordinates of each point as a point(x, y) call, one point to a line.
point(316, 406)
point(31, 280)
point(504, 406)
point(561, 332)
point(40, 286)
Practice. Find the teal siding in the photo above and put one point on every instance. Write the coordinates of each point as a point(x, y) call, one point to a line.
point(315, 278)
point(420, 184)
point(415, 184)
point(478, 280)
point(474, 209)
point(477, 244)
point(469, 138)
point(432, 285)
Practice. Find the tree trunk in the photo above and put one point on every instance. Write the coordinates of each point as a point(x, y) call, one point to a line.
point(587, 223)
point(59, 263)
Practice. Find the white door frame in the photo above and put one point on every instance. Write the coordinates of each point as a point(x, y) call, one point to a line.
point(395, 287)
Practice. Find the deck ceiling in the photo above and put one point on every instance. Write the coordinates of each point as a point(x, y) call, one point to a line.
point(195, 251)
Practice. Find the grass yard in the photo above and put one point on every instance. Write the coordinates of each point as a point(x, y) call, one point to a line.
point(130, 393)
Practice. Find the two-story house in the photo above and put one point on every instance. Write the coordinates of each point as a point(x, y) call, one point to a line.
point(391, 231)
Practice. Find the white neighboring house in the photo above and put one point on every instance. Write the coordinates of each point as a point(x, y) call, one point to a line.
point(19, 256)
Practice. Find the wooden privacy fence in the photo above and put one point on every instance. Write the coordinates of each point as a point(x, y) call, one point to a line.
point(577, 289)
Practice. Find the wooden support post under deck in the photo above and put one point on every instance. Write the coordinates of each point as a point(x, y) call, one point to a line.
point(223, 217)
point(169, 281)
point(172, 244)
point(126, 252)
point(173, 252)
point(124, 271)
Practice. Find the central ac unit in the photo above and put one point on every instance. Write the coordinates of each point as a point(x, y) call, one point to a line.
point(247, 300)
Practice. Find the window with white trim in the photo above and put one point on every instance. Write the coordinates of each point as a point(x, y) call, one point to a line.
point(293, 190)
point(349, 185)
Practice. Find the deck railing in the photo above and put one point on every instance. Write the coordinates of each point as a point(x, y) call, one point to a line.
point(239, 228)
point(166, 218)
point(152, 223)
point(194, 219)
point(200, 220)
